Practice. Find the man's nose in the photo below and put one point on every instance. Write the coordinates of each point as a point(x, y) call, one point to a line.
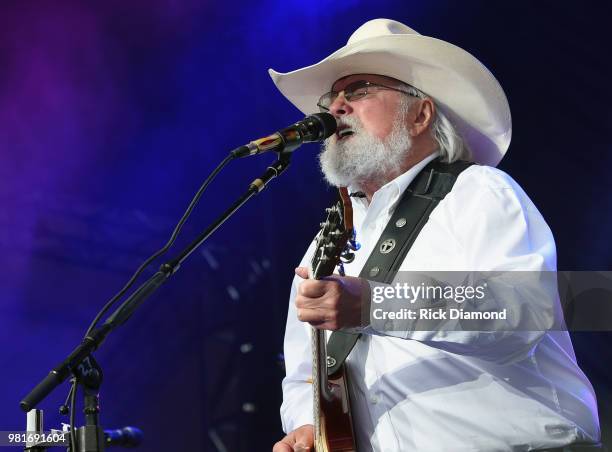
point(340, 106)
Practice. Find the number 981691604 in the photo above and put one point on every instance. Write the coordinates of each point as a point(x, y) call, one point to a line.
point(48, 439)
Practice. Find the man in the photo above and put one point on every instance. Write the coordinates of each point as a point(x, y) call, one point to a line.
point(402, 100)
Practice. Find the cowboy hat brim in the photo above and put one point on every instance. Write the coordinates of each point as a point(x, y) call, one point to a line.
point(460, 84)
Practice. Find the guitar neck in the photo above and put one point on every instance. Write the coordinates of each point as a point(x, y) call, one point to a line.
point(320, 385)
point(316, 378)
point(330, 244)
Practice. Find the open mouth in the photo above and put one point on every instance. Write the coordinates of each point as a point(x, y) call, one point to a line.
point(344, 133)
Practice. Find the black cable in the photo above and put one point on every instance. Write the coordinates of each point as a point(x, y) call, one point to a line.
point(73, 392)
point(137, 273)
point(165, 248)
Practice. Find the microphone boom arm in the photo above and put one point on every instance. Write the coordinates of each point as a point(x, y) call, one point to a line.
point(93, 340)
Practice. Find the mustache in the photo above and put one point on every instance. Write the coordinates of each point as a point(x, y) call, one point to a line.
point(349, 121)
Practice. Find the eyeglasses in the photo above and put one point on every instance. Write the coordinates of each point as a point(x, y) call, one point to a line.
point(358, 90)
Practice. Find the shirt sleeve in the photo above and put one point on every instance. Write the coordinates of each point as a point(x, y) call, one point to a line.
point(297, 407)
point(496, 228)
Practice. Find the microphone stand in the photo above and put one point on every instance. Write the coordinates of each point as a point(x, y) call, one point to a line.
point(80, 362)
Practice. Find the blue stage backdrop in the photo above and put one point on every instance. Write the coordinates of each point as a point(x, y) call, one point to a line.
point(111, 115)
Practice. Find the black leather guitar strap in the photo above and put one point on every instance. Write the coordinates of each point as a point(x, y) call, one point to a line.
point(421, 197)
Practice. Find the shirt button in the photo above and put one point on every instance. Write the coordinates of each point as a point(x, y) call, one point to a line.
point(374, 399)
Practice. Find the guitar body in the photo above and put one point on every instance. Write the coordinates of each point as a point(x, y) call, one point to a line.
point(336, 422)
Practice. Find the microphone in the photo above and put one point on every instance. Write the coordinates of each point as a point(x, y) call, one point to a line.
point(316, 127)
point(123, 437)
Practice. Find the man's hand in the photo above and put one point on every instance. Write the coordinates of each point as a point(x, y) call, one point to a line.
point(299, 440)
point(332, 303)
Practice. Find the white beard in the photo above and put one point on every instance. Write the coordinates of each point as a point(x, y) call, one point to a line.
point(363, 157)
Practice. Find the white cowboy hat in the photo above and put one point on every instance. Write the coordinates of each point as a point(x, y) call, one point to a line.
point(460, 84)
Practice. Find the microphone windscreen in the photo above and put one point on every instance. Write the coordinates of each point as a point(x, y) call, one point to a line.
point(328, 121)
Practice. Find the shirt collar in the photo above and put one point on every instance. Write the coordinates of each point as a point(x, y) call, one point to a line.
point(403, 180)
point(396, 186)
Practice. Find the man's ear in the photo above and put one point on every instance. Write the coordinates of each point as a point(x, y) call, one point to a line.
point(424, 114)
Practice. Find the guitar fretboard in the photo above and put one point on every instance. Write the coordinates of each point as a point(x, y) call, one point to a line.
point(316, 381)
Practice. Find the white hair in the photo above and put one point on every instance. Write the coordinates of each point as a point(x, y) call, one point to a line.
point(368, 158)
point(451, 145)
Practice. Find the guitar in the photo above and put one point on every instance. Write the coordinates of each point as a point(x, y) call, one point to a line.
point(333, 424)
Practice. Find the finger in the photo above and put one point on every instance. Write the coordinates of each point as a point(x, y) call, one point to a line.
point(302, 272)
point(317, 289)
point(285, 444)
point(307, 302)
point(304, 437)
point(328, 325)
point(299, 447)
point(282, 447)
point(312, 316)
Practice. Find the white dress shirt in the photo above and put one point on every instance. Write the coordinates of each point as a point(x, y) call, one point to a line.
point(458, 390)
